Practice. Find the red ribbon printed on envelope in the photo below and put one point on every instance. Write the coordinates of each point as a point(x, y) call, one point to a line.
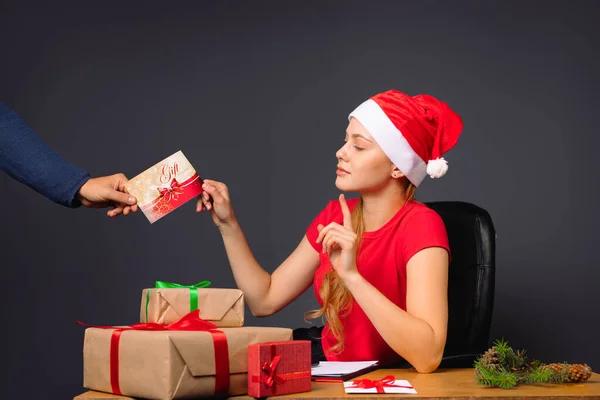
point(172, 191)
point(387, 381)
point(189, 322)
point(270, 378)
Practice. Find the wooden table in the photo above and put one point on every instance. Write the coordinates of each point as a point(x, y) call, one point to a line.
point(444, 384)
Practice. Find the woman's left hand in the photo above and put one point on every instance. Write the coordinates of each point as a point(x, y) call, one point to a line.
point(340, 243)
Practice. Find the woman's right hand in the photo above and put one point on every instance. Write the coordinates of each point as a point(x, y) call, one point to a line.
point(215, 199)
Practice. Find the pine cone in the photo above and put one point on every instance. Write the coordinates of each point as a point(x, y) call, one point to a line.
point(491, 357)
point(574, 373)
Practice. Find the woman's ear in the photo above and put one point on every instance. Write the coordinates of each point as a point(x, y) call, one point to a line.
point(396, 173)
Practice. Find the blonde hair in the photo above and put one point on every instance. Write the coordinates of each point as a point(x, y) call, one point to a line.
point(337, 299)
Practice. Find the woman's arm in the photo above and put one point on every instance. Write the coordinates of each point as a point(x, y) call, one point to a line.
point(419, 333)
point(264, 293)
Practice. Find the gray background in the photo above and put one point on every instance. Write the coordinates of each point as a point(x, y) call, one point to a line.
point(257, 96)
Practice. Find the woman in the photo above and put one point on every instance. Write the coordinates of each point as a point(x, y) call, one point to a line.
point(379, 263)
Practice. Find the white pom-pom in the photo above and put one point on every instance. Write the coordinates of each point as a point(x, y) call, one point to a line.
point(437, 168)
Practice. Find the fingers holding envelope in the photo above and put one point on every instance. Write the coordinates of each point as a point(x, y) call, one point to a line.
point(215, 199)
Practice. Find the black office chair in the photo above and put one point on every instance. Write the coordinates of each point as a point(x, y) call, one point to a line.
point(471, 281)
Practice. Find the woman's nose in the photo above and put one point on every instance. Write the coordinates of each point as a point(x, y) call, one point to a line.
point(341, 153)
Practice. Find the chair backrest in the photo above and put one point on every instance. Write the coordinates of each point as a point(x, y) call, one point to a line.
point(471, 280)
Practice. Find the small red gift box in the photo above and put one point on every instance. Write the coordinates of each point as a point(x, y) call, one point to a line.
point(276, 368)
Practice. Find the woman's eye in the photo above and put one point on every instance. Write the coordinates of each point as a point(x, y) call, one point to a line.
point(358, 148)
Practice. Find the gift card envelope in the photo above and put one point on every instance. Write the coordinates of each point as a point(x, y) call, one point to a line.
point(165, 186)
point(386, 385)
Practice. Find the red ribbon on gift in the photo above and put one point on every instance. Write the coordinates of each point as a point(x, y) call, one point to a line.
point(387, 381)
point(269, 369)
point(189, 322)
point(269, 378)
point(171, 192)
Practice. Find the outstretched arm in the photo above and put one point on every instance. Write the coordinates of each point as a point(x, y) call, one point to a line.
point(265, 293)
point(28, 159)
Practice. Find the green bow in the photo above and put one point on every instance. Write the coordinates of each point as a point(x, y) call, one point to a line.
point(169, 285)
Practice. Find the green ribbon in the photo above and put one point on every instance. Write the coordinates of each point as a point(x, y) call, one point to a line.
point(168, 285)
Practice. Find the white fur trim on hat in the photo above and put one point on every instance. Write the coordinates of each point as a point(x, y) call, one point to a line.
point(391, 141)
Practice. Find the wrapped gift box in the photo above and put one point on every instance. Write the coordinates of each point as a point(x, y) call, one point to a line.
point(171, 364)
point(165, 186)
point(222, 307)
point(277, 368)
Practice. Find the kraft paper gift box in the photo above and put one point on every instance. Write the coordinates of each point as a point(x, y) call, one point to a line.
point(169, 302)
point(172, 364)
point(165, 186)
point(276, 368)
point(388, 384)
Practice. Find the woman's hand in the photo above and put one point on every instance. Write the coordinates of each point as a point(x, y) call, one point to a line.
point(340, 243)
point(215, 199)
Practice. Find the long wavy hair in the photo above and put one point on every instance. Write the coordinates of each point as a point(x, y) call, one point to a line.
point(337, 299)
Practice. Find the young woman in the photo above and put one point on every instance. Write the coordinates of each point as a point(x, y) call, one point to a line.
point(378, 263)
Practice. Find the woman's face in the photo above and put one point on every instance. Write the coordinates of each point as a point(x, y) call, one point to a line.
point(362, 165)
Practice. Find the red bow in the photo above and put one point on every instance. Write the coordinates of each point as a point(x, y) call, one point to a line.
point(387, 381)
point(270, 370)
point(173, 191)
point(189, 322)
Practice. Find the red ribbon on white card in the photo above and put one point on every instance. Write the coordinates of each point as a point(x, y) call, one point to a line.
point(172, 191)
point(380, 384)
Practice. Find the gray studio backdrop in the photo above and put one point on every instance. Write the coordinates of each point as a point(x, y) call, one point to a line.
point(257, 95)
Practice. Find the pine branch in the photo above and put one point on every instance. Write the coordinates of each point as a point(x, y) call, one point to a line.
point(503, 349)
point(506, 380)
point(503, 367)
point(538, 374)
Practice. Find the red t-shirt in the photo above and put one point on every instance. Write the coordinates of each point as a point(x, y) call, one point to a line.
point(382, 262)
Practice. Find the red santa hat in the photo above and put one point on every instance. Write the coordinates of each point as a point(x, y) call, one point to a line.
point(413, 131)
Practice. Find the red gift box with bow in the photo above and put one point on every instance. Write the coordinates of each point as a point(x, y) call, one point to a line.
point(277, 368)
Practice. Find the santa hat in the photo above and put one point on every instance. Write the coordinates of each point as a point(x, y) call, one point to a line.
point(413, 131)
